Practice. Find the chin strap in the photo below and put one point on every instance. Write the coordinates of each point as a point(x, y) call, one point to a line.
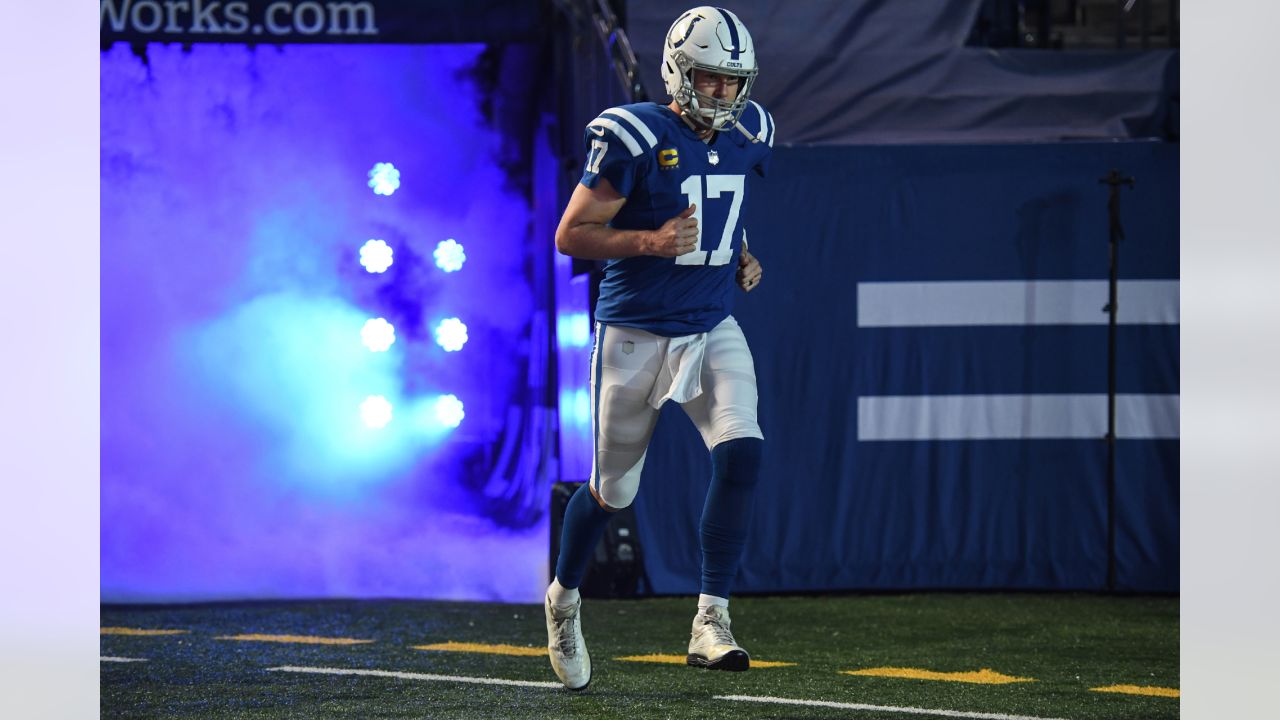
point(746, 132)
point(688, 119)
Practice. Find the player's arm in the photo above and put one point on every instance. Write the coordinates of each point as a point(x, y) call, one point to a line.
point(584, 230)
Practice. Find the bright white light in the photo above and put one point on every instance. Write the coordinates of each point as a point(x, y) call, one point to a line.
point(449, 255)
point(375, 256)
point(384, 178)
point(375, 411)
point(575, 407)
point(573, 330)
point(451, 334)
point(449, 411)
point(377, 334)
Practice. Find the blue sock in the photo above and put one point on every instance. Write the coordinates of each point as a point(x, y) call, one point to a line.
point(584, 524)
point(726, 516)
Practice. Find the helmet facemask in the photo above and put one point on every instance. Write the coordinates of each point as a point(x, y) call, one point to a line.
point(707, 111)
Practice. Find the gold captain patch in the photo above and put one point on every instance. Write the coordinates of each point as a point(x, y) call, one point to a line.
point(668, 158)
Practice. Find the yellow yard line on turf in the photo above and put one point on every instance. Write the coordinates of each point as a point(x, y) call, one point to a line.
point(303, 639)
point(681, 660)
point(139, 631)
point(985, 676)
point(1140, 690)
point(452, 646)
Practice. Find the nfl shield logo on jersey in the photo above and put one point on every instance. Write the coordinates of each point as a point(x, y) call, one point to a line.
point(713, 157)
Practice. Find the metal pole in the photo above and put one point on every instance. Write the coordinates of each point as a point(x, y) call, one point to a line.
point(1144, 20)
point(1113, 180)
point(1043, 24)
point(1120, 24)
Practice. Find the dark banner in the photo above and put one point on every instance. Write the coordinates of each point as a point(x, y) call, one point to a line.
point(309, 21)
point(871, 72)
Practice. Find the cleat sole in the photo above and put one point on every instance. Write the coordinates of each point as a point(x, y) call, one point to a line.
point(580, 689)
point(732, 661)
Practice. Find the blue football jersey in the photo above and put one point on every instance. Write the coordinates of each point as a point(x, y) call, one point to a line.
point(650, 156)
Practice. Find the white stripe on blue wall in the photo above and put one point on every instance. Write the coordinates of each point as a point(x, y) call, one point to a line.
point(1014, 417)
point(1014, 302)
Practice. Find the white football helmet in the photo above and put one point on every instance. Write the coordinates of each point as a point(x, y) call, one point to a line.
point(714, 40)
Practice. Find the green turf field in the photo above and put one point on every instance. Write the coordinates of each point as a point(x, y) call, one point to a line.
point(1058, 648)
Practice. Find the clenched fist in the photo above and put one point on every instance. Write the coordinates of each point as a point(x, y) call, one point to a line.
point(749, 271)
point(677, 236)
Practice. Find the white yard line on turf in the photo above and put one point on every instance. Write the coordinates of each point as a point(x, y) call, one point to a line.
point(108, 658)
point(414, 676)
point(880, 708)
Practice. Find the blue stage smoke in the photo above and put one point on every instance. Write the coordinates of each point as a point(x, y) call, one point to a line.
point(235, 199)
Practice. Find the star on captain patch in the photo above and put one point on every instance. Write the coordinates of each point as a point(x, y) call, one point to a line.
point(713, 157)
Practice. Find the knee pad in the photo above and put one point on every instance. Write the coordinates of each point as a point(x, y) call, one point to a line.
point(618, 489)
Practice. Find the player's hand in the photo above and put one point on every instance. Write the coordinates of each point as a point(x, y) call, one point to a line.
point(677, 236)
point(749, 271)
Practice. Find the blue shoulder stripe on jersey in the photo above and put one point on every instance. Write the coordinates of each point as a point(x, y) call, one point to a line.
point(733, 34)
point(634, 122)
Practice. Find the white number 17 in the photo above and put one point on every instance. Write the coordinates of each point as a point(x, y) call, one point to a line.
point(716, 184)
point(598, 149)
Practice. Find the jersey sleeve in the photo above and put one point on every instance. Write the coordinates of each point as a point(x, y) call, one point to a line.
point(617, 150)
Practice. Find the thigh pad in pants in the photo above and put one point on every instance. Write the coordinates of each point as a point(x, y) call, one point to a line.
point(726, 409)
point(624, 367)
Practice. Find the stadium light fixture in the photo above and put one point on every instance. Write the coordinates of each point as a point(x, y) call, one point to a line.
point(377, 334)
point(449, 411)
point(375, 411)
point(384, 178)
point(451, 334)
point(375, 256)
point(449, 255)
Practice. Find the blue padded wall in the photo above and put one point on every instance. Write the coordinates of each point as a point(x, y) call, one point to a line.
point(1020, 508)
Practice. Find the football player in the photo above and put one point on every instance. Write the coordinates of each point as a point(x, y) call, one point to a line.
point(661, 202)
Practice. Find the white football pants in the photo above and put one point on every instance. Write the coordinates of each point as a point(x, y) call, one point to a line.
point(634, 372)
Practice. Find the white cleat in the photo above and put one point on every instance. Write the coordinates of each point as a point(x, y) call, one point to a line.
point(565, 646)
point(712, 645)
